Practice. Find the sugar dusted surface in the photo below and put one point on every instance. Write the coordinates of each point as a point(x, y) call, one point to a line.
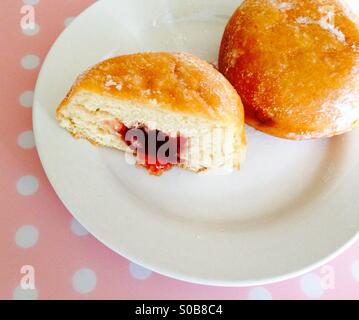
point(178, 82)
point(295, 66)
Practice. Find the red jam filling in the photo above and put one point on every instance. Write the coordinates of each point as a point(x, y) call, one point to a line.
point(155, 150)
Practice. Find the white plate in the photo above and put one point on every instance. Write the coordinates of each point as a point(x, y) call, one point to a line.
point(293, 206)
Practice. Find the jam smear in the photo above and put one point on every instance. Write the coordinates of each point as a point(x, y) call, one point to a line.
point(156, 151)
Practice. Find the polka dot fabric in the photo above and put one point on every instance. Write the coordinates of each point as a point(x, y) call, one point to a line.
point(37, 230)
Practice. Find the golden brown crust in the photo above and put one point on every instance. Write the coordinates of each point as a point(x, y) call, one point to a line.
point(295, 64)
point(178, 82)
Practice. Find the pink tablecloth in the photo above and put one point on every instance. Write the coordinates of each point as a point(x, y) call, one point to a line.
point(37, 232)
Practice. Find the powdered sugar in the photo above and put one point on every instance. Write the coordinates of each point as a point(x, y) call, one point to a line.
point(283, 6)
point(111, 83)
point(326, 23)
point(304, 20)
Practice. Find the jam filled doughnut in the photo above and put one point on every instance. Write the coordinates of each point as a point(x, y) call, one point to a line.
point(295, 64)
point(166, 108)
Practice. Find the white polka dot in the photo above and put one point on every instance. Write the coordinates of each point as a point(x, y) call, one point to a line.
point(68, 21)
point(24, 294)
point(27, 185)
point(26, 236)
point(311, 285)
point(26, 99)
point(31, 2)
point(31, 31)
point(30, 61)
point(355, 269)
point(84, 280)
point(138, 272)
point(77, 228)
point(26, 139)
point(259, 293)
